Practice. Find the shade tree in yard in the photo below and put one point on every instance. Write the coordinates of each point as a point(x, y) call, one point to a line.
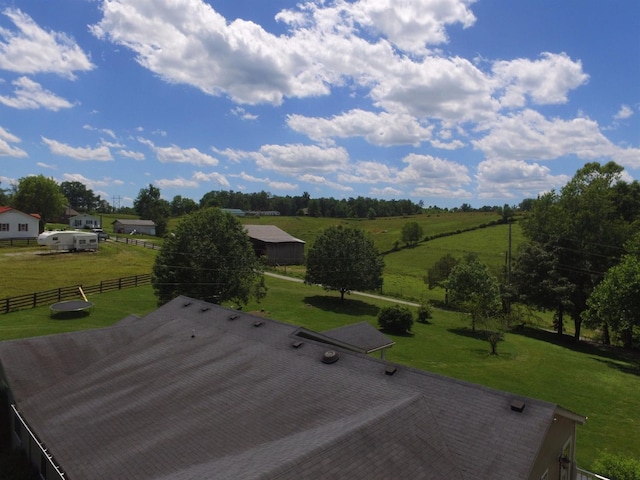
point(473, 289)
point(41, 195)
point(209, 256)
point(344, 259)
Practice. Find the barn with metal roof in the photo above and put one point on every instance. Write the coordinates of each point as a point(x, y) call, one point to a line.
point(276, 245)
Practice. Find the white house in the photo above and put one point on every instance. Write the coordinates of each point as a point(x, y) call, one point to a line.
point(84, 220)
point(17, 224)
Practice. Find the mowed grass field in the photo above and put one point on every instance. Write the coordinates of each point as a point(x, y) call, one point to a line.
point(601, 384)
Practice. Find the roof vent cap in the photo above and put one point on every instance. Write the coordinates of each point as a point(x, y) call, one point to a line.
point(517, 406)
point(330, 356)
point(390, 370)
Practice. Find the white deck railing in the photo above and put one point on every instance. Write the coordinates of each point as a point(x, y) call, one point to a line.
point(586, 475)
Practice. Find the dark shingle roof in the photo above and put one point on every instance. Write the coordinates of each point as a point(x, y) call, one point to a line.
point(194, 390)
point(361, 335)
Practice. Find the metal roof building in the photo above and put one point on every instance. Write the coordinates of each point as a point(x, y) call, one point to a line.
point(194, 390)
point(276, 245)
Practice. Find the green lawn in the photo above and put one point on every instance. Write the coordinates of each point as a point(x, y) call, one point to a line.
point(27, 270)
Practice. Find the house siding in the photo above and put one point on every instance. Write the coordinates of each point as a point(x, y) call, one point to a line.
point(84, 221)
point(560, 431)
point(16, 224)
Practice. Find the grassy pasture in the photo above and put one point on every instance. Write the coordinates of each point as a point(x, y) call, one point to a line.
point(384, 231)
point(35, 269)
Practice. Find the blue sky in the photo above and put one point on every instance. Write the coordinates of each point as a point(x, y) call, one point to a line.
point(446, 101)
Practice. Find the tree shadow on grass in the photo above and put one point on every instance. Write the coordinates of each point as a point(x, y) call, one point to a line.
point(465, 332)
point(482, 336)
point(626, 361)
point(357, 308)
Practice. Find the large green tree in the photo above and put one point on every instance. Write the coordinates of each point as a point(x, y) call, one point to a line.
point(182, 206)
point(582, 230)
point(79, 196)
point(438, 274)
point(209, 256)
point(614, 304)
point(41, 195)
point(411, 233)
point(473, 289)
point(344, 259)
point(150, 206)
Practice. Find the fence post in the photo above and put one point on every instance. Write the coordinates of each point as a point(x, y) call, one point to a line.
point(35, 300)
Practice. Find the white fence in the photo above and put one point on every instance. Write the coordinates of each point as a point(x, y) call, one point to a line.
point(585, 475)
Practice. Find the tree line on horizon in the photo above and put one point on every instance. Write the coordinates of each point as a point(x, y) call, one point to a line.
point(43, 195)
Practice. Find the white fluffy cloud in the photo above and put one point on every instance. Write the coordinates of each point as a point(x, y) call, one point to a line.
point(187, 41)
point(515, 179)
point(528, 135)
point(426, 170)
point(31, 49)
point(100, 153)
point(321, 180)
point(272, 184)
point(214, 177)
point(175, 154)
point(30, 95)
point(625, 112)
point(547, 80)
point(380, 129)
point(92, 184)
point(176, 183)
point(297, 159)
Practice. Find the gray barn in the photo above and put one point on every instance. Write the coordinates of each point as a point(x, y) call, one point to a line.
point(278, 246)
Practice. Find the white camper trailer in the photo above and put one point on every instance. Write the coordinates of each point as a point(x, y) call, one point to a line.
point(71, 240)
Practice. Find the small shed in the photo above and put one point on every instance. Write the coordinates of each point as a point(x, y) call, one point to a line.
point(84, 220)
point(17, 224)
point(146, 227)
point(278, 246)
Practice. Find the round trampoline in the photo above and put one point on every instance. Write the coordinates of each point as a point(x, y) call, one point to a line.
point(71, 308)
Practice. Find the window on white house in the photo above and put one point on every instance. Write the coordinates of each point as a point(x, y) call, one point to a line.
point(4, 227)
point(23, 227)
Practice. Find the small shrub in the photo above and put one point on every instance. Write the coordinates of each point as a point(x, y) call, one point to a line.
point(425, 313)
point(617, 467)
point(397, 320)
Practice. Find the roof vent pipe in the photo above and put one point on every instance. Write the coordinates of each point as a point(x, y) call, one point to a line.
point(330, 356)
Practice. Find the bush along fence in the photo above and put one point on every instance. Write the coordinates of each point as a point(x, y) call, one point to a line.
point(48, 297)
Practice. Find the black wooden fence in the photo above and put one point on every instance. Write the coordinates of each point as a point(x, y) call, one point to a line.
point(18, 242)
point(48, 297)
